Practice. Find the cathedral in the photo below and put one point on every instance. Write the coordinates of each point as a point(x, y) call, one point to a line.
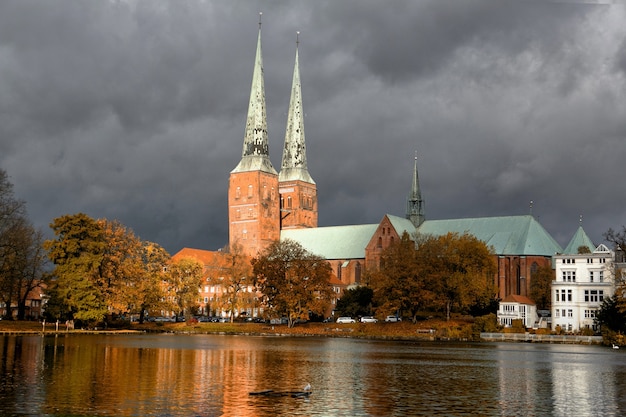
point(265, 206)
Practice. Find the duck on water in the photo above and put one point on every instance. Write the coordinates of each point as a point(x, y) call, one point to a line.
point(306, 391)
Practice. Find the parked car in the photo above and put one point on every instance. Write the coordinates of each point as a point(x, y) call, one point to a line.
point(392, 319)
point(164, 319)
point(369, 319)
point(345, 320)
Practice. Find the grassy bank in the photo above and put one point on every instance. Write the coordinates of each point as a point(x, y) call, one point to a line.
point(426, 330)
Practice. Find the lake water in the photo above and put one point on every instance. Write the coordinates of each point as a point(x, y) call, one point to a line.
point(206, 375)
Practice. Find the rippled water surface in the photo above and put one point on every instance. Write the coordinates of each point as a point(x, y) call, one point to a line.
point(205, 375)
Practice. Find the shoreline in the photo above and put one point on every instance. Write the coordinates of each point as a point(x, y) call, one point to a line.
point(424, 331)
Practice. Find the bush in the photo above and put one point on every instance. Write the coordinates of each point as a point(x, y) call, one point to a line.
point(488, 324)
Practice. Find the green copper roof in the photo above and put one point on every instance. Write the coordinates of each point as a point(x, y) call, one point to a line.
point(511, 235)
point(579, 239)
point(294, 152)
point(334, 242)
point(255, 152)
point(519, 235)
point(402, 225)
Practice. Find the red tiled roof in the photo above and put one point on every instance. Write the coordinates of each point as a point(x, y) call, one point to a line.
point(513, 298)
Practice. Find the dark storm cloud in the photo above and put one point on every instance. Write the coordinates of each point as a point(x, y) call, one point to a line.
point(135, 110)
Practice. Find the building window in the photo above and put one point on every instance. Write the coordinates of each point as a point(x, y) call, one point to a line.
point(594, 296)
point(570, 313)
point(590, 276)
point(568, 276)
point(569, 295)
point(601, 275)
point(238, 192)
point(250, 191)
point(590, 314)
point(557, 313)
point(289, 203)
point(265, 192)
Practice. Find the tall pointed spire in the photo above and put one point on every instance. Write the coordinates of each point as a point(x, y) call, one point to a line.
point(255, 154)
point(415, 204)
point(294, 165)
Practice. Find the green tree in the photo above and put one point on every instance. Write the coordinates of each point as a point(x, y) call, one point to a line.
point(356, 302)
point(618, 240)
point(541, 287)
point(399, 285)
point(293, 281)
point(77, 253)
point(610, 316)
point(185, 277)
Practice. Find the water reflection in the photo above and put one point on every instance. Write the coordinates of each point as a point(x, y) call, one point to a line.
point(187, 375)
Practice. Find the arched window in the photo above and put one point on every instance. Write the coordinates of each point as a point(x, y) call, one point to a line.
point(250, 191)
point(380, 242)
point(533, 268)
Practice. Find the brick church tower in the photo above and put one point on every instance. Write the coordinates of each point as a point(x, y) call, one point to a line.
point(298, 191)
point(253, 202)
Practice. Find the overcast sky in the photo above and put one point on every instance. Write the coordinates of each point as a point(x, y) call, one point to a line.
point(135, 110)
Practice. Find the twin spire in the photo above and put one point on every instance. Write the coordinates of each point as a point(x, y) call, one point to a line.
point(255, 154)
point(294, 153)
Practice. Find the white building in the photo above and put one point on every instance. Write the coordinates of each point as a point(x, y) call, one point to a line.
point(517, 307)
point(582, 282)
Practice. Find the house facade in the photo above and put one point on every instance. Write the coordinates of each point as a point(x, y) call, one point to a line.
point(584, 277)
point(517, 307)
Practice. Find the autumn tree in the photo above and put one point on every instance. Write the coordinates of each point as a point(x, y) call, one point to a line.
point(293, 281)
point(132, 271)
point(399, 284)
point(22, 257)
point(102, 268)
point(148, 287)
point(236, 280)
point(541, 287)
point(184, 279)
point(121, 266)
point(459, 270)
